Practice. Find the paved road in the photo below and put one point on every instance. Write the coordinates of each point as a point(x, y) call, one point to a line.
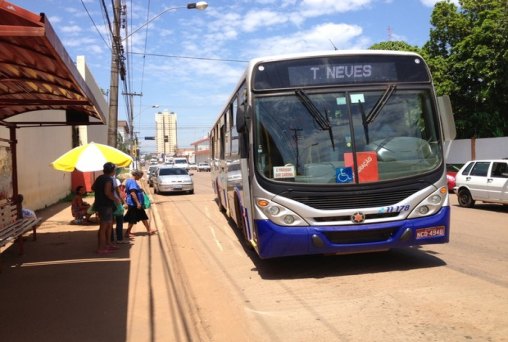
point(452, 292)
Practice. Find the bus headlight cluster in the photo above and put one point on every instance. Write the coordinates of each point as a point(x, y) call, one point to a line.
point(431, 204)
point(279, 214)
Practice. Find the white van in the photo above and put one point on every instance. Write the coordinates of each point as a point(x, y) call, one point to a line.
point(482, 180)
point(181, 163)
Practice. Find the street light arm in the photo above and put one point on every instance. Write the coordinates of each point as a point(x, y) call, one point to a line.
point(152, 19)
point(200, 5)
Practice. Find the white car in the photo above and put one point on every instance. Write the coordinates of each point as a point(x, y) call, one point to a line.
point(172, 179)
point(181, 163)
point(482, 180)
point(203, 167)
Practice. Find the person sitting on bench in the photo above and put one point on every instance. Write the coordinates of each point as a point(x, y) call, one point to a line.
point(26, 213)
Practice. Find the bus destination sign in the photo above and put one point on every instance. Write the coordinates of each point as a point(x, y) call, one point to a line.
point(341, 73)
point(321, 71)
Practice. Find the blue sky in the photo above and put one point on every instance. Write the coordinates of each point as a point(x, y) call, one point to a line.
point(189, 61)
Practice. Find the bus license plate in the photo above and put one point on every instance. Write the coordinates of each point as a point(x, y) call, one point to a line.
point(431, 232)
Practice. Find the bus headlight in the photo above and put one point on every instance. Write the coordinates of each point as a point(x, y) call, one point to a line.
point(289, 219)
point(431, 204)
point(423, 210)
point(274, 210)
point(278, 214)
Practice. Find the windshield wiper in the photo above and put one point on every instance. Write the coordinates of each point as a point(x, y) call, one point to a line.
point(321, 120)
point(367, 119)
point(380, 104)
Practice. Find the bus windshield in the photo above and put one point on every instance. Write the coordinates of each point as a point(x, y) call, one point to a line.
point(345, 137)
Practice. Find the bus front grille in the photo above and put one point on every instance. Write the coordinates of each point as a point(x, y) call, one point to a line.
point(352, 201)
point(360, 236)
point(347, 218)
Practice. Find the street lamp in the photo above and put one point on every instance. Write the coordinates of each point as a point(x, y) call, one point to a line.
point(200, 5)
point(115, 62)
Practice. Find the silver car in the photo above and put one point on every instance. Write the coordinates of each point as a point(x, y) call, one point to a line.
point(171, 179)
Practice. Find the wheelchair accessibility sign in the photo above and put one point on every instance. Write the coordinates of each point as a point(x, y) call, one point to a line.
point(344, 175)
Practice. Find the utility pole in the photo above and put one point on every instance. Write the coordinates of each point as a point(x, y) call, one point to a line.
point(113, 88)
point(131, 117)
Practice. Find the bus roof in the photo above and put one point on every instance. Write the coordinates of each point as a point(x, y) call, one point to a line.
point(301, 55)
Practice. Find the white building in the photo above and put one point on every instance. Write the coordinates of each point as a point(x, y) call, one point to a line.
point(165, 133)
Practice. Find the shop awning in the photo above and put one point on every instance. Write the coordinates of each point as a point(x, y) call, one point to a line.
point(36, 73)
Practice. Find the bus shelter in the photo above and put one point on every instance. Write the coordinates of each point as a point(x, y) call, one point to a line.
point(36, 73)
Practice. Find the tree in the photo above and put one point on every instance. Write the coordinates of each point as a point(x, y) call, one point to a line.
point(396, 46)
point(468, 56)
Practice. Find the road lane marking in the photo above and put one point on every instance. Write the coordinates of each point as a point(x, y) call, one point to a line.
point(217, 242)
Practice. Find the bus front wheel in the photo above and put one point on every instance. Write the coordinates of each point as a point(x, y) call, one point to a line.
point(219, 202)
point(240, 224)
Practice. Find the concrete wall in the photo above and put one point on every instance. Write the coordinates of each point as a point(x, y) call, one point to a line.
point(37, 147)
point(463, 150)
point(98, 134)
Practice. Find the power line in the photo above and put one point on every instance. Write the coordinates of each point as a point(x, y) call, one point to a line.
point(93, 22)
point(190, 57)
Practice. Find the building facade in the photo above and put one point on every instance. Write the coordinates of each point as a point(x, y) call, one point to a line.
point(165, 133)
point(202, 150)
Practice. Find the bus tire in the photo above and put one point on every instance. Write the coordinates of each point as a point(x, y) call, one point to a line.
point(465, 199)
point(219, 202)
point(240, 224)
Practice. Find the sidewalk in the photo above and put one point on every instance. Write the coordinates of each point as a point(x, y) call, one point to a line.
point(61, 290)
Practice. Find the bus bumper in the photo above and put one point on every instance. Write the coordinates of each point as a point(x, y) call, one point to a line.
point(278, 241)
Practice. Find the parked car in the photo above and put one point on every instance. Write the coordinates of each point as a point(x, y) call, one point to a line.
point(172, 179)
point(451, 172)
point(151, 174)
point(203, 167)
point(482, 180)
point(193, 166)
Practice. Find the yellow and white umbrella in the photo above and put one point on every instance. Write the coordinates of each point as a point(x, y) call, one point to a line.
point(91, 157)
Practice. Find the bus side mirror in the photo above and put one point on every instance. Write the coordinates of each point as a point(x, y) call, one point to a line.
point(446, 113)
point(241, 121)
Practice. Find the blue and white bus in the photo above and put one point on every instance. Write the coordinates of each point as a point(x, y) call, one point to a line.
point(334, 152)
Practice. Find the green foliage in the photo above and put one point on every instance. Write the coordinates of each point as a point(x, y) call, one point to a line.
point(467, 54)
point(122, 145)
point(395, 46)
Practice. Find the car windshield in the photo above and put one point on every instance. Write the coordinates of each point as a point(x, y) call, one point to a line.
point(172, 172)
point(311, 137)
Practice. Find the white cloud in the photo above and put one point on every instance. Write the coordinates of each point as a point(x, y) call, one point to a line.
point(95, 49)
point(317, 38)
point(71, 29)
point(54, 19)
point(263, 18)
point(314, 8)
point(84, 42)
